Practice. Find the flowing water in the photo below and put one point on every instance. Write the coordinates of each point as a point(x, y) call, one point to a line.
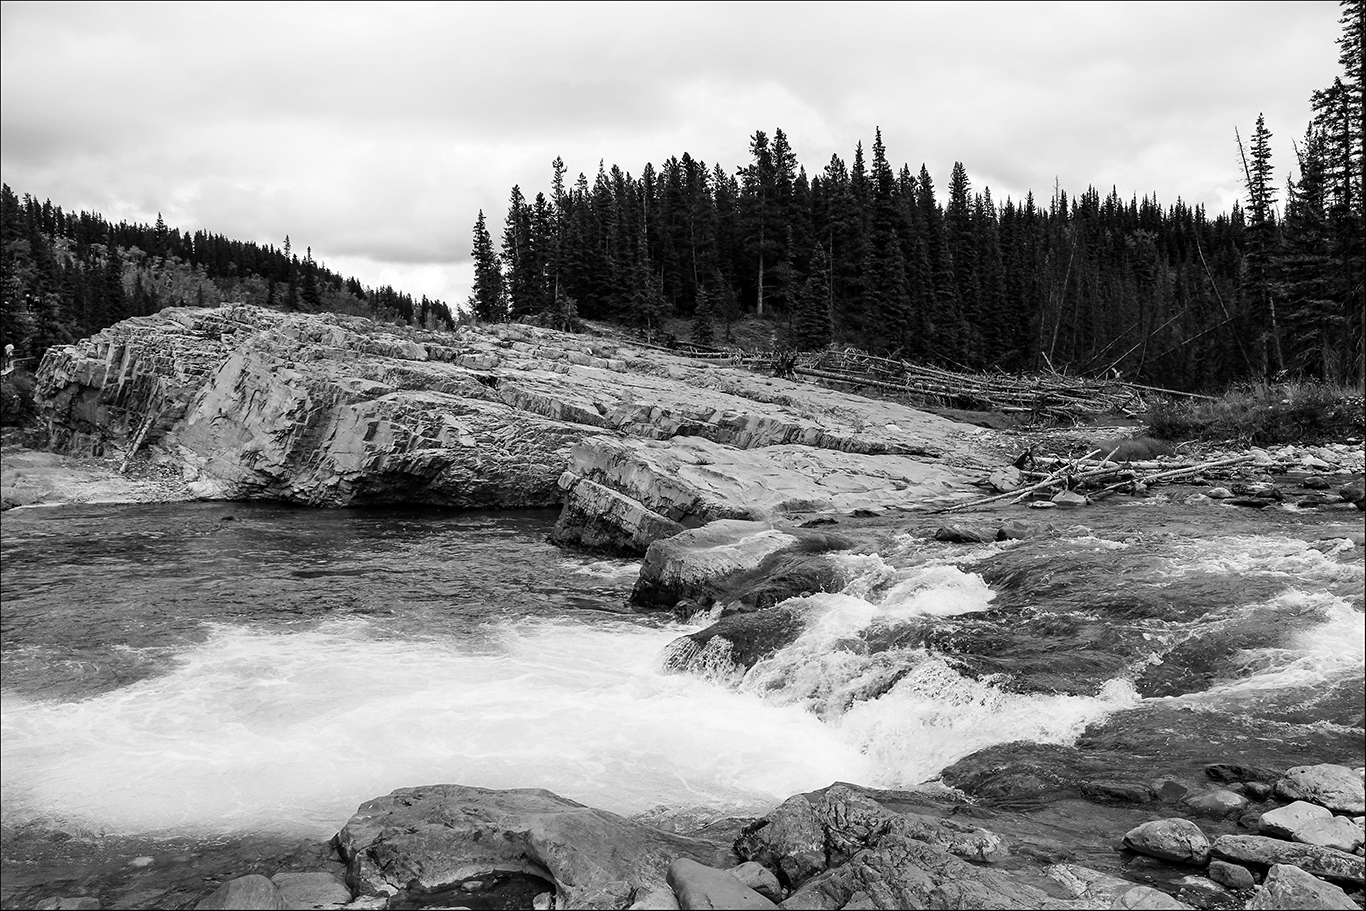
point(198, 671)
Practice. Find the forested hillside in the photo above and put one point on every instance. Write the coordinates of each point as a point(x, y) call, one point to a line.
point(67, 275)
point(865, 253)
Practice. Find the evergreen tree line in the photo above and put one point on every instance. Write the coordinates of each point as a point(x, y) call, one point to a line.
point(64, 276)
point(865, 254)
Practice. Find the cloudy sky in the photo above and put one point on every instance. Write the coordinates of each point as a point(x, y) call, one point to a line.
point(374, 133)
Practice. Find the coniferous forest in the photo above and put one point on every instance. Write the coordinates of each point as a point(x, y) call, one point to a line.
point(871, 254)
point(68, 275)
point(857, 252)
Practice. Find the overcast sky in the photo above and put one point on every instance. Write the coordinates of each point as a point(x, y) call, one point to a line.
point(375, 132)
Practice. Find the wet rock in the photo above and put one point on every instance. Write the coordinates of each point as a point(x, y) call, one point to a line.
point(1219, 493)
point(1070, 498)
point(760, 879)
point(1169, 789)
point(1333, 786)
point(1174, 839)
point(1284, 822)
point(432, 837)
point(1261, 490)
point(1043, 504)
point(1229, 771)
point(1118, 791)
point(1230, 876)
point(734, 644)
point(1217, 803)
point(1354, 493)
point(962, 534)
point(1315, 483)
point(1288, 888)
point(1015, 530)
point(1261, 851)
point(1251, 502)
point(1146, 898)
point(1331, 832)
point(69, 903)
point(245, 893)
point(694, 564)
point(1256, 790)
point(309, 890)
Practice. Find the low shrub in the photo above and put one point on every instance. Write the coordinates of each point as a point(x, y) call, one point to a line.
point(1263, 415)
point(16, 399)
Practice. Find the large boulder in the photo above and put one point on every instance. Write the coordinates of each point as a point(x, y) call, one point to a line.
point(435, 837)
point(1288, 888)
point(811, 833)
point(1258, 850)
point(1284, 822)
point(1333, 786)
point(245, 893)
point(1175, 839)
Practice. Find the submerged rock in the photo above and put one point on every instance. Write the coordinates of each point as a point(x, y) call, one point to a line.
point(1146, 898)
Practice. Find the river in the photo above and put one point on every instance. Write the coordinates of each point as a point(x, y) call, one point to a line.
point(204, 671)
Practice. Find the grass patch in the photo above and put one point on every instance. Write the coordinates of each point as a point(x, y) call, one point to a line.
point(1264, 415)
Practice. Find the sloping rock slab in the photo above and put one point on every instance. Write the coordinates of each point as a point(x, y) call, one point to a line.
point(427, 838)
point(703, 888)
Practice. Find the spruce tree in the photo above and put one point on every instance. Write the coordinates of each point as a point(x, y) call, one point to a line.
point(487, 301)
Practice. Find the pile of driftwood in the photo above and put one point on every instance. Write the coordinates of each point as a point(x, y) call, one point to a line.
point(1097, 476)
point(1051, 396)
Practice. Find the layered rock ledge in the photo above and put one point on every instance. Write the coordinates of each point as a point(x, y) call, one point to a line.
point(637, 444)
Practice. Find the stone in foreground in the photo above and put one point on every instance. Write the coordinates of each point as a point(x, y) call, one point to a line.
point(1288, 888)
point(432, 837)
point(1284, 822)
point(1174, 839)
point(703, 888)
point(245, 893)
point(1146, 898)
point(1258, 850)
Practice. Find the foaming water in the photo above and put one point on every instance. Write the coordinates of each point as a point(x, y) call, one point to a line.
point(290, 732)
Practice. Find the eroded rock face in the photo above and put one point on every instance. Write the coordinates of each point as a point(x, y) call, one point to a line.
point(431, 837)
point(332, 410)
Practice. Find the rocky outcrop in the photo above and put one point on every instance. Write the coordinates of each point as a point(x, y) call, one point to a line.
point(330, 410)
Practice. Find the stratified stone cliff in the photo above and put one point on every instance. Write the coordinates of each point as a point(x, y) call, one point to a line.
point(330, 410)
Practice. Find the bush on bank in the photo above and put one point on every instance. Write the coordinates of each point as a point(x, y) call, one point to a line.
point(1263, 415)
